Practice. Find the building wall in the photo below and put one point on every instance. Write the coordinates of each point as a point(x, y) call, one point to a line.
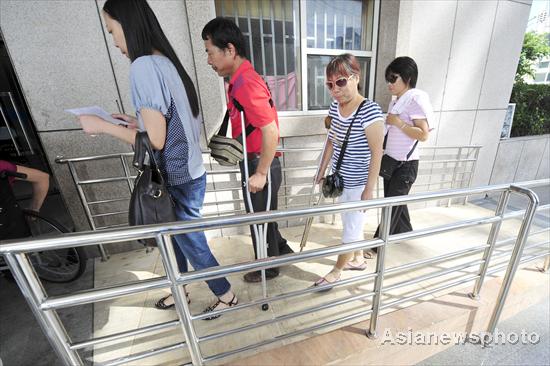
point(467, 52)
point(521, 159)
point(60, 57)
point(64, 59)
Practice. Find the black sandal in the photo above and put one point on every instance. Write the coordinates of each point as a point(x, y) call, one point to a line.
point(162, 305)
point(234, 301)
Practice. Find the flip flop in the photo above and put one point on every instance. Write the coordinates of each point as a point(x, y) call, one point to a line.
point(368, 254)
point(323, 281)
point(350, 267)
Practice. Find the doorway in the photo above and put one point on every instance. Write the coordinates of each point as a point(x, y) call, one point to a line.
point(19, 142)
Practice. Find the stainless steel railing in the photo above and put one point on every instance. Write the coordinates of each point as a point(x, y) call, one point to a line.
point(44, 307)
point(440, 167)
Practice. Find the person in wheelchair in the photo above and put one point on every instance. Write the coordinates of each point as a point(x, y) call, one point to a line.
point(12, 220)
point(57, 265)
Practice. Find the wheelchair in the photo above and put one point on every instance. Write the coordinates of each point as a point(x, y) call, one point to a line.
point(58, 265)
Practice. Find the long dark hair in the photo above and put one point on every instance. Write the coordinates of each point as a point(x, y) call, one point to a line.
point(143, 34)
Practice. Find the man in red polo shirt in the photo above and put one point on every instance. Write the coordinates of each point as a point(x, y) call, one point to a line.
point(225, 45)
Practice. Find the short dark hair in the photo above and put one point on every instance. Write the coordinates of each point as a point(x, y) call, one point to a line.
point(144, 34)
point(223, 31)
point(406, 68)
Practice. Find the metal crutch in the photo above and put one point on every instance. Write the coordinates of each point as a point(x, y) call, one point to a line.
point(309, 220)
point(259, 230)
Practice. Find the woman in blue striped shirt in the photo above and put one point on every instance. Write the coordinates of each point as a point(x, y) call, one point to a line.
point(361, 161)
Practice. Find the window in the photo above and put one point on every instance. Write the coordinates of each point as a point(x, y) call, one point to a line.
point(544, 65)
point(280, 34)
point(335, 27)
point(540, 77)
point(272, 36)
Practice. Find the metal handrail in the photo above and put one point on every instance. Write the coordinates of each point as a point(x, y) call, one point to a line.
point(149, 231)
point(44, 307)
point(64, 160)
point(460, 167)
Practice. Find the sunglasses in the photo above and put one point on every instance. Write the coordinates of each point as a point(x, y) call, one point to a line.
point(342, 82)
point(392, 78)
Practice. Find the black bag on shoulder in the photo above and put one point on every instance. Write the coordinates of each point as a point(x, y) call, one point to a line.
point(389, 164)
point(150, 202)
point(333, 185)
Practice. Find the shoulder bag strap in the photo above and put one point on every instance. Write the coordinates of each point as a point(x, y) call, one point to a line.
point(225, 123)
point(346, 139)
point(249, 127)
point(143, 145)
point(410, 152)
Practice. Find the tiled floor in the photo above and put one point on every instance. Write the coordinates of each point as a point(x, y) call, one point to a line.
point(453, 314)
point(138, 311)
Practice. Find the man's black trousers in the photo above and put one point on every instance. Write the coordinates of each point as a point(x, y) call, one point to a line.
point(277, 245)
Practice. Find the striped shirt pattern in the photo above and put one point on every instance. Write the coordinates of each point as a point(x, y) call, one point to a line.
point(356, 161)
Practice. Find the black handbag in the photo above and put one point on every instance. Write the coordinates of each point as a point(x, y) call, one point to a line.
point(388, 164)
point(150, 202)
point(333, 184)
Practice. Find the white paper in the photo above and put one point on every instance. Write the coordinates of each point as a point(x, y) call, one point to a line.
point(97, 111)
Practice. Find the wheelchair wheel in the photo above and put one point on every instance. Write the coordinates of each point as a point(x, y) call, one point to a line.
point(59, 265)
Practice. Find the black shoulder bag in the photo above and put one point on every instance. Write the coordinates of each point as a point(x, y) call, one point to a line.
point(333, 185)
point(150, 202)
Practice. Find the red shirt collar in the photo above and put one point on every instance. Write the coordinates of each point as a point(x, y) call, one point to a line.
point(246, 65)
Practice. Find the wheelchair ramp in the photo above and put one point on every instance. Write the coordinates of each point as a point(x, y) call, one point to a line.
point(448, 309)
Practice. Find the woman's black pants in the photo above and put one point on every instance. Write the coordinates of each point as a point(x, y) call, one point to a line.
point(400, 184)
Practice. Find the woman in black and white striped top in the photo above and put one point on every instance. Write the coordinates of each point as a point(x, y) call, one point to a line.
point(361, 161)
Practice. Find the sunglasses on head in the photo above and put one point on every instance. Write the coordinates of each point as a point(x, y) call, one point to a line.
point(392, 78)
point(342, 82)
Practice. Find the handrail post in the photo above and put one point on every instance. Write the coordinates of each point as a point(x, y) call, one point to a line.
point(491, 240)
point(516, 253)
point(546, 265)
point(457, 162)
point(74, 175)
point(384, 234)
point(171, 266)
point(127, 173)
point(49, 321)
point(472, 172)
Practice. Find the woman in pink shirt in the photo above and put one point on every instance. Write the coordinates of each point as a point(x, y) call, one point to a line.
point(406, 125)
